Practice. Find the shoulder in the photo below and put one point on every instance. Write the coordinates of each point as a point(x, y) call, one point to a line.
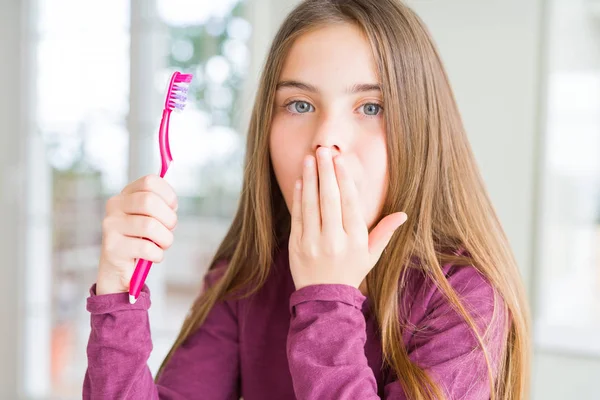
point(421, 293)
point(215, 273)
point(438, 338)
point(425, 309)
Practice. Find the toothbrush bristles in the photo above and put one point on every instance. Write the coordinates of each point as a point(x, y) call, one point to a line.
point(178, 92)
point(181, 89)
point(174, 104)
point(178, 96)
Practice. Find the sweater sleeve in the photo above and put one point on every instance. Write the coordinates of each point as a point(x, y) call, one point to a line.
point(327, 337)
point(204, 366)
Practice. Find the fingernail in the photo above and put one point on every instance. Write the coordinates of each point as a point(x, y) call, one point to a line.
point(404, 219)
point(176, 207)
point(308, 161)
point(325, 152)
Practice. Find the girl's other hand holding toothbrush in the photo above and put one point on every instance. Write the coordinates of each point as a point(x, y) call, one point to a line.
point(139, 223)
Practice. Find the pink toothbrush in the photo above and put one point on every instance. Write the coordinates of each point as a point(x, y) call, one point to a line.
point(175, 100)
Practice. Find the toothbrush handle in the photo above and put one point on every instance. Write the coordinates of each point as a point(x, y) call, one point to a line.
point(138, 279)
point(143, 266)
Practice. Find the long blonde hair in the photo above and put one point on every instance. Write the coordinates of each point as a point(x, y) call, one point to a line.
point(433, 177)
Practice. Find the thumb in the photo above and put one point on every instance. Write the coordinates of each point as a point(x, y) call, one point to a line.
point(381, 235)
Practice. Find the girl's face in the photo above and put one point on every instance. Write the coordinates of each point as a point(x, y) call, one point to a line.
point(329, 95)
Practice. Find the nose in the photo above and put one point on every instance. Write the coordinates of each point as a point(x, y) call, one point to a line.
point(332, 132)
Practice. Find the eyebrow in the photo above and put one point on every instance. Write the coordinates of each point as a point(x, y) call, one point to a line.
point(357, 88)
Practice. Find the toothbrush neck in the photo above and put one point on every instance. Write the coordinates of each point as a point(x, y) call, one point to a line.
point(163, 142)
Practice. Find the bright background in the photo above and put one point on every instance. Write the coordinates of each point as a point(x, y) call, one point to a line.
point(80, 99)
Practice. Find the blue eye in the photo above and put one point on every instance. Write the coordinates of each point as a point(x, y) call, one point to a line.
point(371, 109)
point(299, 107)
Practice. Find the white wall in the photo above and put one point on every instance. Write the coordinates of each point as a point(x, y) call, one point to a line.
point(564, 376)
point(573, 35)
point(11, 210)
point(25, 212)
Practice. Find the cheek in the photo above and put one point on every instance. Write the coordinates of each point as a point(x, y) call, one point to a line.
point(375, 178)
point(372, 152)
point(287, 152)
point(376, 171)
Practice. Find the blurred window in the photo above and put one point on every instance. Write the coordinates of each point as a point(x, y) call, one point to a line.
point(83, 80)
point(568, 282)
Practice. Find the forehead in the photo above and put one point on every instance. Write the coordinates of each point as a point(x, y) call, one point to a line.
point(336, 54)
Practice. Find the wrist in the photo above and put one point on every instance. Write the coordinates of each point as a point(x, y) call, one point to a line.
point(108, 285)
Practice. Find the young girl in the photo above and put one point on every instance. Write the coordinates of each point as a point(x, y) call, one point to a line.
point(365, 260)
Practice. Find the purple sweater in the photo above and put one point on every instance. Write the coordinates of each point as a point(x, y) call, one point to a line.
point(319, 342)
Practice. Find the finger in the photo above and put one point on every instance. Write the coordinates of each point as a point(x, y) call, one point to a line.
point(128, 249)
point(381, 235)
point(352, 218)
point(151, 205)
point(311, 216)
point(142, 248)
point(148, 228)
point(296, 229)
point(329, 193)
point(155, 184)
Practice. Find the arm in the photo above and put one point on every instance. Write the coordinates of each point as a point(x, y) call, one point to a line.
point(327, 336)
point(205, 366)
point(326, 343)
